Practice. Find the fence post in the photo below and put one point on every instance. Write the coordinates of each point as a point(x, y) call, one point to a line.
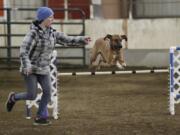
point(9, 37)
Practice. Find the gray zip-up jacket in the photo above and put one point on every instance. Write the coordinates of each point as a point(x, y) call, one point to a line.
point(37, 47)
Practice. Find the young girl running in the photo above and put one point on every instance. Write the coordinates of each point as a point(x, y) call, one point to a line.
point(35, 54)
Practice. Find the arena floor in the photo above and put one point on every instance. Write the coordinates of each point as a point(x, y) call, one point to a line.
point(131, 104)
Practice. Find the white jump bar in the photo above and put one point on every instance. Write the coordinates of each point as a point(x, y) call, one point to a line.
point(114, 72)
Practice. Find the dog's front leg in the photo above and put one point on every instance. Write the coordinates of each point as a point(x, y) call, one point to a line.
point(121, 58)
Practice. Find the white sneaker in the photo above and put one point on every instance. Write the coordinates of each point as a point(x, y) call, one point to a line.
point(119, 65)
point(123, 64)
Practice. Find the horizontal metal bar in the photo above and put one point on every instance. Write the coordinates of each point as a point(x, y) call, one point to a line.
point(57, 47)
point(22, 35)
point(64, 23)
point(67, 58)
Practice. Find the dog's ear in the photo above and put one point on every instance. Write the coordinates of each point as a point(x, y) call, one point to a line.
point(108, 36)
point(124, 37)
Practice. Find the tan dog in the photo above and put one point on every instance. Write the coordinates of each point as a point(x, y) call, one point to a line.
point(110, 51)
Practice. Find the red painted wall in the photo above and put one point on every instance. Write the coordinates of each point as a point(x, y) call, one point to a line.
point(82, 4)
point(57, 4)
point(1, 6)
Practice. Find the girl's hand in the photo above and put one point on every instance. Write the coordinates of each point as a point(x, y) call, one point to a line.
point(87, 40)
point(27, 71)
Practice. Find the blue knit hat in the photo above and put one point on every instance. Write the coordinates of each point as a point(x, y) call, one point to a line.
point(43, 13)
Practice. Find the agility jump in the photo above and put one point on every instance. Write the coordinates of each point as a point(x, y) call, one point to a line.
point(54, 75)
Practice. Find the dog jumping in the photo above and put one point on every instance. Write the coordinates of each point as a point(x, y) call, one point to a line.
point(108, 52)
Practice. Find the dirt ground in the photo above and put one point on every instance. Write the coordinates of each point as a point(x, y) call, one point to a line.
point(133, 104)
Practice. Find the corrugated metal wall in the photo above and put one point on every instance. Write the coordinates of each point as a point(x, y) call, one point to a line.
point(110, 9)
point(156, 8)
